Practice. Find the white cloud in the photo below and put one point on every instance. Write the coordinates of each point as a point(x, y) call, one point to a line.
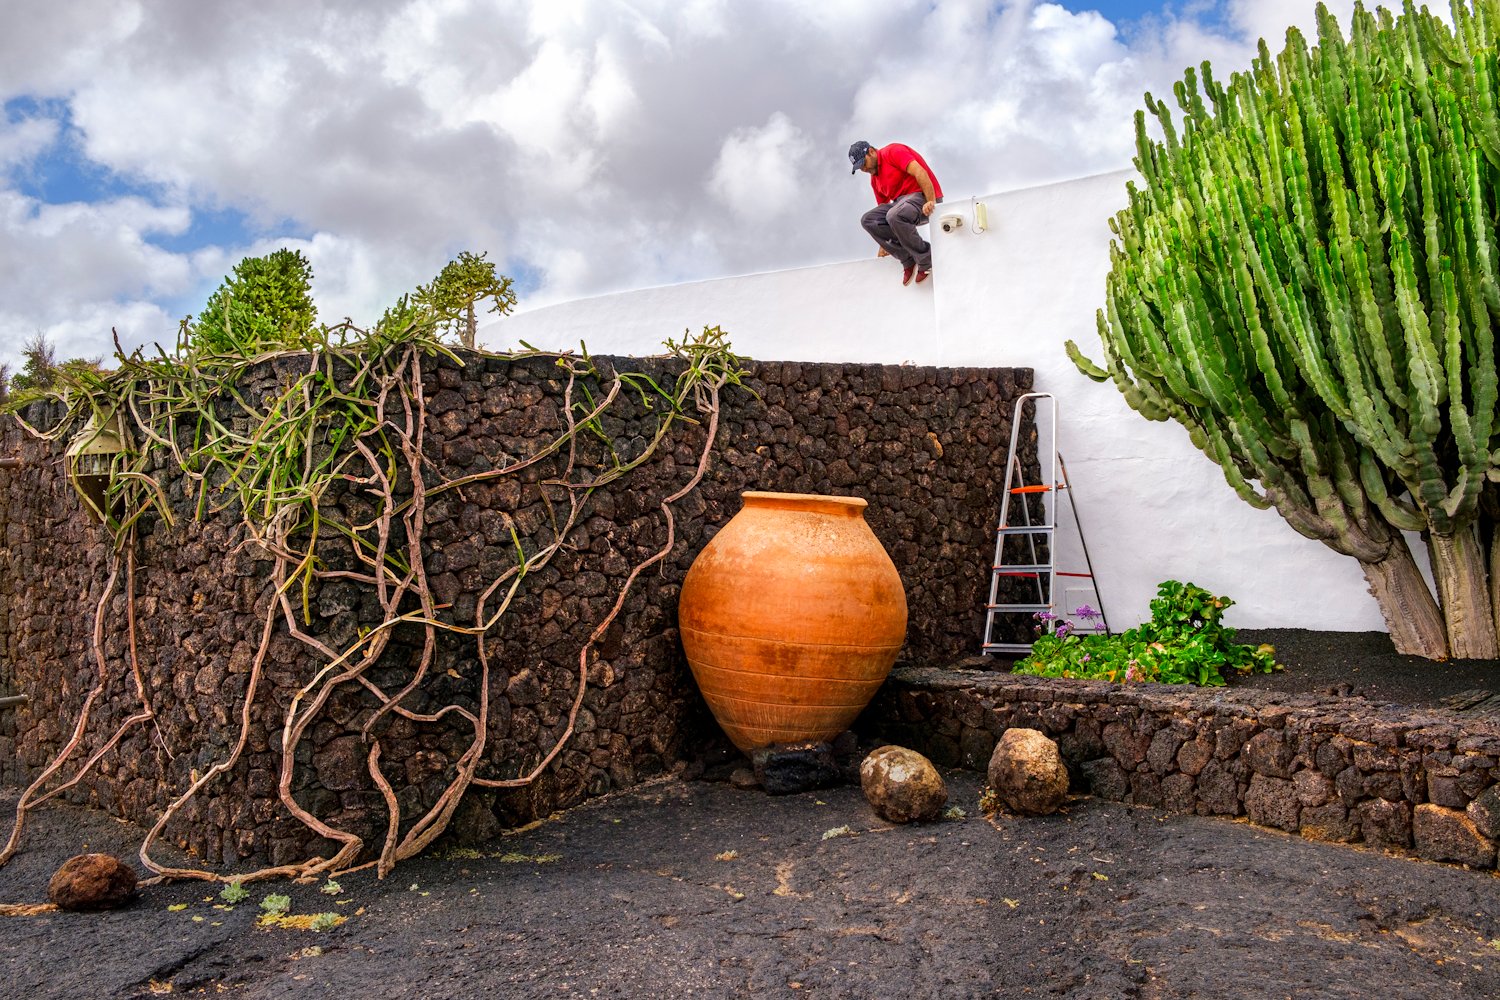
point(534, 108)
point(759, 173)
point(24, 140)
point(47, 46)
point(74, 271)
point(593, 145)
point(1269, 19)
point(610, 96)
point(86, 329)
point(56, 252)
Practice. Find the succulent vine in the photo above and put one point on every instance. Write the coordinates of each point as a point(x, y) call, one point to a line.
point(346, 416)
point(1308, 280)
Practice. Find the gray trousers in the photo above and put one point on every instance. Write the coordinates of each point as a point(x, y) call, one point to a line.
point(894, 226)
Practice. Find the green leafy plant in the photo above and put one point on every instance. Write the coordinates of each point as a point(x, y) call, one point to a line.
point(276, 904)
point(265, 305)
point(449, 303)
point(1308, 282)
point(1185, 642)
point(41, 370)
point(324, 922)
point(234, 892)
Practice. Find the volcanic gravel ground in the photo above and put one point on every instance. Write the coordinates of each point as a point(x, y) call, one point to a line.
point(1363, 664)
point(644, 899)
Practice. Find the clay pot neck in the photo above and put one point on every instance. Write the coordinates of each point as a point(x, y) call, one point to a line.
point(810, 503)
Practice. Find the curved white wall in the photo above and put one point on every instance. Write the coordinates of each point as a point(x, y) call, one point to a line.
point(1153, 506)
point(856, 311)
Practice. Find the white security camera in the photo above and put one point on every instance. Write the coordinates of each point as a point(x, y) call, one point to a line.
point(951, 223)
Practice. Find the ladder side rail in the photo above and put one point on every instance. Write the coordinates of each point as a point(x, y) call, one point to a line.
point(1048, 521)
point(1084, 544)
point(1049, 501)
point(1014, 473)
point(989, 615)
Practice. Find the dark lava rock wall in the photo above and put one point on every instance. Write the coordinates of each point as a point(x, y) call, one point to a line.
point(925, 446)
point(1397, 778)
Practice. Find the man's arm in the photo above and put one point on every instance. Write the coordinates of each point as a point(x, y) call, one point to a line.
point(925, 183)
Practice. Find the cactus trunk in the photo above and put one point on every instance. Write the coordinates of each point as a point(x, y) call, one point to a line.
point(1495, 576)
point(1468, 606)
point(1411, 615)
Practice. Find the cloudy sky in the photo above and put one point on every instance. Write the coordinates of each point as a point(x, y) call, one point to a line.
point(586, 145)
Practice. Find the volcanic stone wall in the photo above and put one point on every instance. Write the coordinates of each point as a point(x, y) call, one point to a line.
point(925, 446)
point(1401, 779)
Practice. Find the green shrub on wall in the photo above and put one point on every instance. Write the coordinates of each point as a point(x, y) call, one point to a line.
point(1185, 642)
point(265, 305)
point(1308, 282)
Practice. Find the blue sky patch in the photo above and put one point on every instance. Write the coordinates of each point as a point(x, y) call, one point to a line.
point(1132, 17)
point(525, 278)
point(63, 174)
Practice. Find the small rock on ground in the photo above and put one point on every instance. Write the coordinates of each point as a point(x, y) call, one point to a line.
point(902, 785)
point(1027, 773)
point(92, 882)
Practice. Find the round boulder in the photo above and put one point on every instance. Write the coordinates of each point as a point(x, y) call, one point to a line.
point(92, 882)
point(1027, 773)
point(902, 785)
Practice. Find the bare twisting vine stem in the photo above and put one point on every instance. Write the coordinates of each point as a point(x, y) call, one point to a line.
point(343, 430)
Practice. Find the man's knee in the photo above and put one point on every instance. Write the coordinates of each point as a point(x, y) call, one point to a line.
point(875, 220)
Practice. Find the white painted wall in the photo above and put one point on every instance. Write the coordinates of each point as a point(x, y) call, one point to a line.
point(1153, 507)
point(855, 311)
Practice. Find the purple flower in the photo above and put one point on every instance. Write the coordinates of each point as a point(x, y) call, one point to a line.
point(1087, 613)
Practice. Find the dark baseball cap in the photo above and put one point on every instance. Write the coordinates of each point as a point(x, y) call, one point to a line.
point(857, 155)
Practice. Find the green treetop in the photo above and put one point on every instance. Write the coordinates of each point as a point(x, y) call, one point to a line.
point(265, 305)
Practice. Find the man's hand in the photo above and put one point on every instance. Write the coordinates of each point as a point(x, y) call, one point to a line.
point(929, 193)
point(882, 252)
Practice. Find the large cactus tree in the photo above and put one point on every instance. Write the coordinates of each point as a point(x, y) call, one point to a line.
point(1309, 281)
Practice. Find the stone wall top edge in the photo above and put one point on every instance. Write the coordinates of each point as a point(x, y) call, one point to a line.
point(1411, 721)
point(44, 413)
point(618, 361)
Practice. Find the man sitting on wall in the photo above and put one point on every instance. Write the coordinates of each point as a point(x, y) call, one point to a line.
point(906, 192)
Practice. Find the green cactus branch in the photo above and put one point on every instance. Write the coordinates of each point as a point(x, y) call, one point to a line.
point(1308, 281)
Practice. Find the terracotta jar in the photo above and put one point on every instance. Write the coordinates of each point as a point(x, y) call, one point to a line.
point(791, 618)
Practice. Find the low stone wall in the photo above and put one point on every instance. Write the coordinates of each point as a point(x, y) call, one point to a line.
point(1330, 769)
point(925, 446)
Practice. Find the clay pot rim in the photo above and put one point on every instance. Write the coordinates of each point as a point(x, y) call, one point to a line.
point(813, 503)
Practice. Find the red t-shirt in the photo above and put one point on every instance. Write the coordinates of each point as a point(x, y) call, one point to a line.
point(890, 179)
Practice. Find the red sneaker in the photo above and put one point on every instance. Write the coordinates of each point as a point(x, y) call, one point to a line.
point(906, 274)
point(923, 275)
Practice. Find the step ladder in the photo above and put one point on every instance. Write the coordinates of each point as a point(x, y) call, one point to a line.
point(1037, 557)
